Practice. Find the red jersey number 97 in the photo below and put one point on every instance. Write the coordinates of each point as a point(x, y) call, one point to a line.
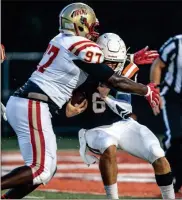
point(90, 55)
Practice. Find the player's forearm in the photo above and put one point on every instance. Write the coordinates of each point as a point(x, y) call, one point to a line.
point(155, 75)
point(102, 72)
point(126, 85)
point(156, 70)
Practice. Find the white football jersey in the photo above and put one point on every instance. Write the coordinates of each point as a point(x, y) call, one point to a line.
point(56, 73)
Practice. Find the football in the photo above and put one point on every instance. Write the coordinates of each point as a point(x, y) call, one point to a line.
point(77, 97)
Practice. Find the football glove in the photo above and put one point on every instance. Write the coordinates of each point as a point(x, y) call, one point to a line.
point(152, 95)
point(145, 56)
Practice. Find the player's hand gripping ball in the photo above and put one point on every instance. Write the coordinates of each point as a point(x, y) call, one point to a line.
point(77, 104)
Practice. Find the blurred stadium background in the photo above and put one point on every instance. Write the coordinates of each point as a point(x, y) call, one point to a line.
point(27, 27)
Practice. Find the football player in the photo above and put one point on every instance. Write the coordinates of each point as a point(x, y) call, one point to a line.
point(111, 125)
point(70, 57)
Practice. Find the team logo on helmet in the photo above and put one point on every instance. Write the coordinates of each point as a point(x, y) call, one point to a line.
point(78, 12)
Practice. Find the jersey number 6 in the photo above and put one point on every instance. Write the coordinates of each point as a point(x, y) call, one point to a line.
point(98, 106)
point(48, 57)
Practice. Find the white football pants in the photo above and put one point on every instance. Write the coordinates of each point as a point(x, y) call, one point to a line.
point(129, 136)
point(31, 120)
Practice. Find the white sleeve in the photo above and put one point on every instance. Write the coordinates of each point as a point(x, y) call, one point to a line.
point(121, 108)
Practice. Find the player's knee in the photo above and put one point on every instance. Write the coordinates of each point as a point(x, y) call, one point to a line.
point(161, 162)
point(109, 153)
point(161, 166)
point(156, 152)
point(108, 146)
point(43, 177)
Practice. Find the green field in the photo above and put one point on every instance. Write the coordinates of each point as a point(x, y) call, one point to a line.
point(9, 144)
point(60, 195)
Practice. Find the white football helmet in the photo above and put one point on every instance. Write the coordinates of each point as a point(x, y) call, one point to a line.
point(114, 49)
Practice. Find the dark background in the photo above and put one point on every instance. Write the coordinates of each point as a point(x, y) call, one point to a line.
point(27, 26)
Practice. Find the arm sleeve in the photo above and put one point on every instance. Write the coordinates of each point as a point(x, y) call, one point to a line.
point(119, 107)
point(100, 72)
point(168, 50)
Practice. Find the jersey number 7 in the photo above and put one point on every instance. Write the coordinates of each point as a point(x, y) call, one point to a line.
point(48, 57)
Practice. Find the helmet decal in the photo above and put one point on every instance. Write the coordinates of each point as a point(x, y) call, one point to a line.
point(79, 12)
